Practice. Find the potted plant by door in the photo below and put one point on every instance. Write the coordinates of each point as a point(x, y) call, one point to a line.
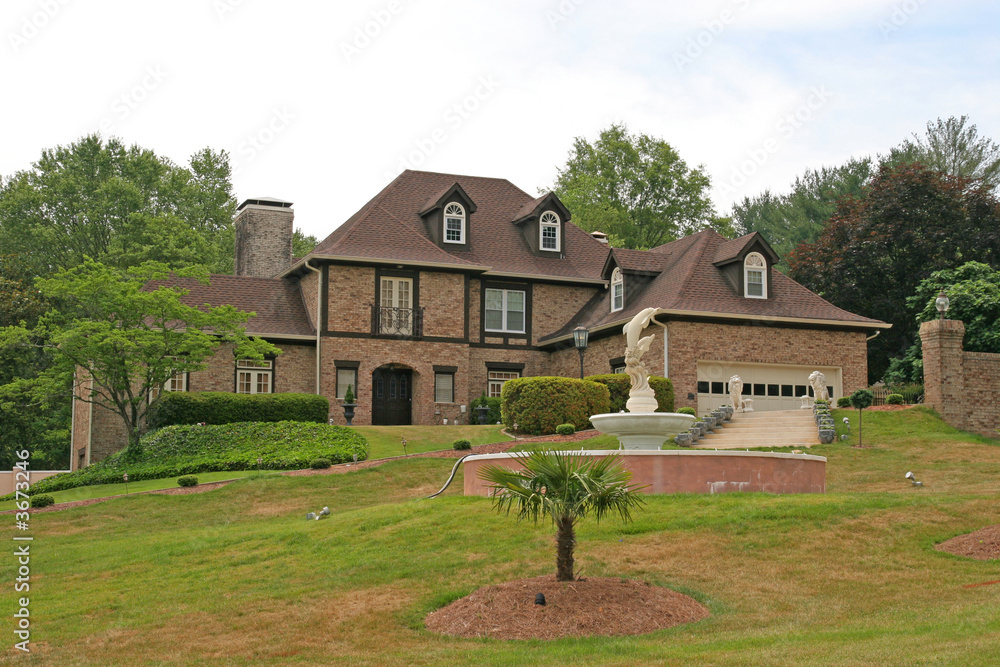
point(349, 405)
point(483, 409)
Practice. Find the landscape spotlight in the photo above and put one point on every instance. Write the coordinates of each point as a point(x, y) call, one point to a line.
point(941, 303)
point(125, 477)
point(913, 480)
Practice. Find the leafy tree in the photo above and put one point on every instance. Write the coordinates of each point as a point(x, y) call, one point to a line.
point(302, 244)
point(908, 222)
point(635, 188)
point(861, 399)
point(126, 336)
point(566, 488)
point(973, 291)
point(954, 147)
point(119, 205)
point(786, 220)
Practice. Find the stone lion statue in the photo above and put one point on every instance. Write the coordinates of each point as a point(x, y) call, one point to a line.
point(736, 391)
point(818, 382)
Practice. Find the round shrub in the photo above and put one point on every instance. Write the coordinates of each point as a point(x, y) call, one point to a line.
point(687, 411)
point(565, 429)
point(894, 399)
point(538, 404)
point(43, 500)
point(187, 480)
point(844, 402)
point(862, 399)
point(461, 444)
point(619, 385)
point(319, 464)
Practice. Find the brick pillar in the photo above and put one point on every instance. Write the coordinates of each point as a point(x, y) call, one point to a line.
point(944, 381)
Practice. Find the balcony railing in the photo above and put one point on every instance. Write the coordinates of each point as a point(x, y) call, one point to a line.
point(402, 322)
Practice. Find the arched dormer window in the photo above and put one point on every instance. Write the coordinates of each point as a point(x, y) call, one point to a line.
point(617, 290)
point(454, 223)
point(754, 284)
point(548, 226)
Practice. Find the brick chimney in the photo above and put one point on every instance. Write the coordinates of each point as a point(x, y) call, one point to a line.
point(263, 237)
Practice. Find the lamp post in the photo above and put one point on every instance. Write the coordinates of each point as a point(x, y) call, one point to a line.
point(125, 477)
point(942, 303)
point(580, 335)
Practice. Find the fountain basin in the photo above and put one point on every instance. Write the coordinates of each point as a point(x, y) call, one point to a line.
point(684, 471)
point(642, 430)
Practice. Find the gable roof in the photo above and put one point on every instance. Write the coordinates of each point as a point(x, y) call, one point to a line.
point(733, 249)
point(277, 302)
point(690, 284)
point(389, 228)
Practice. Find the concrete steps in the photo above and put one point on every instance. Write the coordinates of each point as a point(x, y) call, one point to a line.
point(780, 428)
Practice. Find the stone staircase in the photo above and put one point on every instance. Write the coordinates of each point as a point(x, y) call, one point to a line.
point(778, 428)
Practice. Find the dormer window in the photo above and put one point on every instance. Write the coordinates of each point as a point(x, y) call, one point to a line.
point(549, 231)
point(617, 290)
point(754, 267)
point(454, 223)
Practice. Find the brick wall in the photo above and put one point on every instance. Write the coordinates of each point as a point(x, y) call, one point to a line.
point(554, 306)
point(263, 240)
point(351, 293)
point(442, 296)
point(309, 283)
point(961, 386)
point(81, 424)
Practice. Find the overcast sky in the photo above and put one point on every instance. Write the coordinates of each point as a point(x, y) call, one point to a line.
point(322, 103)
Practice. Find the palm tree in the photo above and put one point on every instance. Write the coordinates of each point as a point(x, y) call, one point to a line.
point(566, 487)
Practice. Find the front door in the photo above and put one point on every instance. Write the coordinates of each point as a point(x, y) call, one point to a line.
point(392, 389)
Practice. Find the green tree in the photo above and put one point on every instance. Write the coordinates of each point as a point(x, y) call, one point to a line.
point(302, 244)
point(125, 337)
point(119, 205)
point(954, 147)
point(566, 488)
point(861, 399)
point(635, 188)
point(908, 222)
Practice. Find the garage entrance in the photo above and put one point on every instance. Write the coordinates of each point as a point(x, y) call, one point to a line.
point(771, 386)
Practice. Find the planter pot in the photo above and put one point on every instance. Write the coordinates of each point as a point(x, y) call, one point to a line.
point(695, 432)
point(483, 414)
point(702, 427)
point(684, 440)
point(826, 436)
point(349, 412)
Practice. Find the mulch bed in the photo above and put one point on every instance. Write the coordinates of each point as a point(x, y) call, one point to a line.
point(492, 448)
point(592, 606)
point(984, 544)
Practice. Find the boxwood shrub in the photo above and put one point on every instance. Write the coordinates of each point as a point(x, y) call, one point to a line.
point(894, 399)
point(619, 384)
point(190, 450)
point(219, 407)
point(687, 411)
point(42, 500)
point(539, 404)
point(844, 402)
point(187, 480)
point(565, 429)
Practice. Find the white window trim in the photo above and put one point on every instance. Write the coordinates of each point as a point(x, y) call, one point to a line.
point(617, 285)
point(544, 224)
point(458, 212)
point(255, 369)
point(504, 310)
point(755, 262)
point(498, 379)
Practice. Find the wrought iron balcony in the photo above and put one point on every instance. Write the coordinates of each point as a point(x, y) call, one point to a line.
point(401, 322)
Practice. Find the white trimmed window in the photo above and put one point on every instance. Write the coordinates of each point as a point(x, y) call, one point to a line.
point(496, 380)
point(254, 377)
point(347, 377)
point(178, 382)
point(549, 231)
point(454, 223)
point(754, 267)
point(617, 290)
point(505, 310)
point(444, 387)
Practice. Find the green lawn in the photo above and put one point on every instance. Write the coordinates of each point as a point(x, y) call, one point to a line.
point(236, 576)
point(386, 441)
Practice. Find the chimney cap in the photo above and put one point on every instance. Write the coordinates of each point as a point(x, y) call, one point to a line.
point(600, 236)
point(264, 201)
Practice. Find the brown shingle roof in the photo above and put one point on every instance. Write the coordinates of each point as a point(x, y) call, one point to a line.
point(639, 260)
point(277, 302)
point(690, 282)
point(732, 248)
point(389, 228)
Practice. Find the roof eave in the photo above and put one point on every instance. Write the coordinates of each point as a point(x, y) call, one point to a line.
point(381, 260)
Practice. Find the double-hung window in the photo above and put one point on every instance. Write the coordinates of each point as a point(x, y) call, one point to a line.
point(454, 223)
point(617, 290)
point(505, 310)
point(347, 376)
point(254, 377)
point(444, 387)
point(549, 231)
point(753, 276)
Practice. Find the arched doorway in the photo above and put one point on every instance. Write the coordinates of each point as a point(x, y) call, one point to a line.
point(392, 395)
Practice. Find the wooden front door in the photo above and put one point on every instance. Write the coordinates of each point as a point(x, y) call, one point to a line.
point(392, 391)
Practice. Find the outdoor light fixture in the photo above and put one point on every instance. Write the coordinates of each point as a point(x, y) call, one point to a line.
point(325, 511)
point(310, 516)
point(125, 477)
point(941, 303)
point(580, 336)
point(913, 480)
point(540, 599)
point(404, 447)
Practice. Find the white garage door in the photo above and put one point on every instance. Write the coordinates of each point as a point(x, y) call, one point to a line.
point(771, 386)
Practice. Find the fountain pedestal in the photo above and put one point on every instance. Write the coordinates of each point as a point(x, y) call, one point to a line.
point(642, 430)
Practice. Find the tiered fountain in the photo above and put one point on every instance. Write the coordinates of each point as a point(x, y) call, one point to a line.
point(642, 431)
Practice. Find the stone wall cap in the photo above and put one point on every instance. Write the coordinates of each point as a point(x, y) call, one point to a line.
point(666, 452)
point(942, 325)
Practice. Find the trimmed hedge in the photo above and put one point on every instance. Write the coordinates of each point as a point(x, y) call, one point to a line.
point(42, 500)
point(687, 411)
point(220, 407)
point(619, 384)
point(539, 404)
point(187, 480)
point(844, 402)
point(493, 416)
point(461, 444)
point(894, 399)
point(565, 429)
point(189, 450)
